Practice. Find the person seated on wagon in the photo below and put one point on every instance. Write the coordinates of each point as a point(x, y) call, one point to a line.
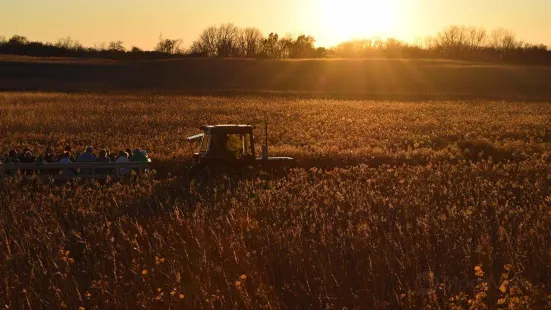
point(12, 157)
point(139, 156)
point(67, 160)
point(112, 156)
point(28, 158)
point(102, 158)
point(129, 152)
point(21, 156)
point(67, 149)
point(49, 156)
point(123, 158)
point(87, 157)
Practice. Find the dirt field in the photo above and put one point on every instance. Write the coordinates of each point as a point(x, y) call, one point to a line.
point(379, 79)
point(430, 199)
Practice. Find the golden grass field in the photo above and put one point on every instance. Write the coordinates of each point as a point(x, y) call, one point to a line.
point(396, 204)
point(420, 184)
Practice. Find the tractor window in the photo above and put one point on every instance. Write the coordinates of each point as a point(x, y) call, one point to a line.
point(205, 143)
point(229, 145)
point(247, 147)
point(234, 145)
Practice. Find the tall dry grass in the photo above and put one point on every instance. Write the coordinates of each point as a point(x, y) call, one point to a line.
point(458, 219)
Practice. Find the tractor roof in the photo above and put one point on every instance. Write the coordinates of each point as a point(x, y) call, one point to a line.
point(228, 128)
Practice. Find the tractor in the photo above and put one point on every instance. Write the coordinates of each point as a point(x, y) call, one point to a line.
point(226, 150)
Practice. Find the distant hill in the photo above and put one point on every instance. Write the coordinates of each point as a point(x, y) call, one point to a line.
point(350, 78)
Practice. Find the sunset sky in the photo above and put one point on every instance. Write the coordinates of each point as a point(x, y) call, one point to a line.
point(140, 22)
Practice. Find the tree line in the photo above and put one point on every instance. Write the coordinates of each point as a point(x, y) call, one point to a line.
point(230, 41)
point(453, 42)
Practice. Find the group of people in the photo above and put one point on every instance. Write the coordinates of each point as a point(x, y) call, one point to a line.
point(88, 156)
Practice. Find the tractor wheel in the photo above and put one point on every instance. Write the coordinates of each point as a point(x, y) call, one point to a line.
point(208, 180)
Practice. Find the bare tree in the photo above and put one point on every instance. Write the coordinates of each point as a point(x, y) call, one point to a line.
point(168, 46)
point(284, 46)
point(301, 47)
point(504, 40)
point(354, 48)
point(476, 37)
point(220, 41)
point(17, 39)
point(270, 46)
point(394, 44)
point(100, 47)
point(429, 43)
point(250, 42)
point(226, 38)
point(535, 47)
point(116, 46)
point(207, 42)
point(68, 43)
point(3, 40)
point(452, 38)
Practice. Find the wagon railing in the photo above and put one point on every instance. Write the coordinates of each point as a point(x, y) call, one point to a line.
point(75, 170)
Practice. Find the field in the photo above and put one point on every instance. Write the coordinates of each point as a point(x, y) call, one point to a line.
point(377, 79)
point(432, 200)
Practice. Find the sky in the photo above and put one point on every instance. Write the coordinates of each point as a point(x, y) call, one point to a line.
point(141, 22)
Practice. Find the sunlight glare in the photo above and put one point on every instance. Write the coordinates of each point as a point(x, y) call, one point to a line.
point(349, 19)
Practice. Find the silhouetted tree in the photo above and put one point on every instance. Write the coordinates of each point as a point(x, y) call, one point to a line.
point(321, 52)
point(206, 45)
point(68, 43)
point(250, 42)
point(226, 39)
point(270, 46)
point(284, 46)
point(100, 47)
point(504, 40)
point(302, 47)
point(452, 39)
point(19, 40)
point(476, 38)
point(136, 49)
point(537, 48)
point(116, 46)
point(354, 48)
point(168, 46)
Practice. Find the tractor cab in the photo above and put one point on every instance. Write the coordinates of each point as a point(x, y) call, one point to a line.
point(230, 143)
point(224, 151)
point(233, 146)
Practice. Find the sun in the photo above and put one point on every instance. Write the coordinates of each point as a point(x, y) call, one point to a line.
point(349, 19)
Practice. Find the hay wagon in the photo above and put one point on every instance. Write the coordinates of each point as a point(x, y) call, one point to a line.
point(75, 170)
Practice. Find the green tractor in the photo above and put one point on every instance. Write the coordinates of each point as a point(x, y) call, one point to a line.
point(224, 151)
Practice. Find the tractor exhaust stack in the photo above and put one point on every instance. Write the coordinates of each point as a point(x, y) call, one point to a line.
point(265, 146)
